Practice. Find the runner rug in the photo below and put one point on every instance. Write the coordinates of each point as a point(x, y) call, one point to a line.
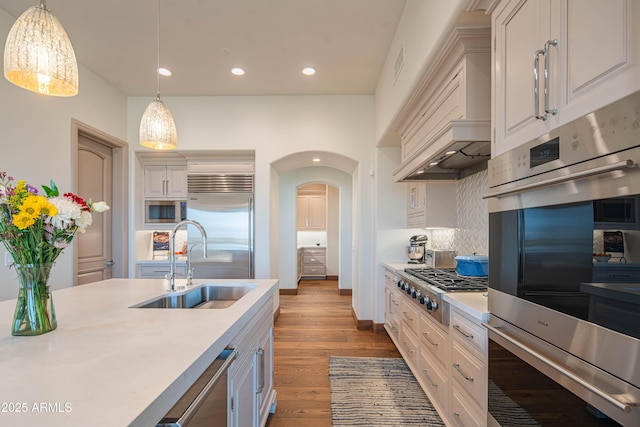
point(369, 391)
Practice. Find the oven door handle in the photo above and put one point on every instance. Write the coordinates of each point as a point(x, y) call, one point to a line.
point(624, 407)
point(626, 164)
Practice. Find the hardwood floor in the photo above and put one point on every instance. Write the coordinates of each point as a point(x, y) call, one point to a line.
point(313, 325)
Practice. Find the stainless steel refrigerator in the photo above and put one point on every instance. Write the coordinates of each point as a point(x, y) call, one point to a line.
point(228, 221)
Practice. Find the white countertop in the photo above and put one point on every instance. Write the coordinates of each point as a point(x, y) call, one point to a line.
point(474, 304)
point(110, 365)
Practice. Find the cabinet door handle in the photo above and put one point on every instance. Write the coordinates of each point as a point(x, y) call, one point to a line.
point(426, 336)
point(456, 416)
point(261, 376)
point(165, 187)
point(536, 85)
point(547, 61)
point(465, 376)
point(465, 334)
point(407, 316)
point(426, 375)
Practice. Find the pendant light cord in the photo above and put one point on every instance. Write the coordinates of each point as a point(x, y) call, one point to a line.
point(158, 55)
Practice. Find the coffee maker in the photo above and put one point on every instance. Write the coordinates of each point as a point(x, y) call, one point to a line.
point(416, 249)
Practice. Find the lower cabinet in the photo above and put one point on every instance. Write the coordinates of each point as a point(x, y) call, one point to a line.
point(449, 362)
point(251, 393)
point(160, 269)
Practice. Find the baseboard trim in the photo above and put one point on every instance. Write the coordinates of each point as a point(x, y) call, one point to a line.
point(362, 325)
point(343, 292)
point(276, 314)
point(332, 277)
point(289, 291)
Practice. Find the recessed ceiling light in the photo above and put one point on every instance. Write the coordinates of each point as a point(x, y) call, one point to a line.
point(308, 71)
point(164, 72)
point(433, 163)
point(448, 153)
point(316, 159)
point(421, 171)
point(237, 71)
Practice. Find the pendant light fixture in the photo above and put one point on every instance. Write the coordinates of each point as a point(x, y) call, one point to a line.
point(157, 128)
point(38, 55)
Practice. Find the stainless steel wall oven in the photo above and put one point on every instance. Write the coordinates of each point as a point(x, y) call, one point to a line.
point(564, 257)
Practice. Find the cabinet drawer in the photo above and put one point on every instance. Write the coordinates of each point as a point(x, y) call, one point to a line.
point(314, 269)
point(433, 339)
point(470, 334)
point(470, 373)
point(409, 348)
point(394, 303)
point(462, 412)
point(435, 379)
point(160, 271)
point(409, 314)
point(314, 251)
point(313, 259)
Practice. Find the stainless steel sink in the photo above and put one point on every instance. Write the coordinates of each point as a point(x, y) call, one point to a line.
point(204, 297)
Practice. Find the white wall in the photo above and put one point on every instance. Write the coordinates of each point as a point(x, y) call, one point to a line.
point(276, 127)
point(392, 234)
point(36, 142)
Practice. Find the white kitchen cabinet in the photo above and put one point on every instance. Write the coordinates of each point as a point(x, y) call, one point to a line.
point(589, 49)
point(165, 181)
point(311, 213)
point(252, 396)
point(313, 262)
point(431, 204)
point(469, 370)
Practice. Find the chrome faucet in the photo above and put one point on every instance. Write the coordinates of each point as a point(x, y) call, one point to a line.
point(171, 277)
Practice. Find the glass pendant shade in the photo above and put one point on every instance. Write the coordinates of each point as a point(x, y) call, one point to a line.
point(157, 128)
point(38, 55)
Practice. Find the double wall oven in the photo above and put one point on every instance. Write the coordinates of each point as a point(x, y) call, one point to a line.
point(564, 259)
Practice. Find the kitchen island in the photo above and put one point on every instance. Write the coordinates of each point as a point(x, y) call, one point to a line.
point(108, 364)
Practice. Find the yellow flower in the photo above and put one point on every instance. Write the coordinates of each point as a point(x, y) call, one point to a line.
point(22, 220)
point(32, 208)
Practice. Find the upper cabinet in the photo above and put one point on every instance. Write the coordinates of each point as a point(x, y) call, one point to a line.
point(165, 181)
point(431, 204)
point(312, 208)
point(557, 60)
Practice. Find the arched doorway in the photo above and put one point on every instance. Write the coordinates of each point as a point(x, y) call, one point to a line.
point(289, 179)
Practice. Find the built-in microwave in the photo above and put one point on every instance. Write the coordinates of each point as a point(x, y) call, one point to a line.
point(164, 211)
point(616, 212)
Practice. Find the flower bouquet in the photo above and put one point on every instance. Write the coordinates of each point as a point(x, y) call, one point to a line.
point(35, 229)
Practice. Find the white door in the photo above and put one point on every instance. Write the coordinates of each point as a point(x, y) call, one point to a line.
point(94, 181)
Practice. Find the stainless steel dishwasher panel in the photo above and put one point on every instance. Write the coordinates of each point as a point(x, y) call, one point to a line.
point(206, 401)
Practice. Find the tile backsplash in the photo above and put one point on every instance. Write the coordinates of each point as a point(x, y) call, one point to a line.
point(471, 234)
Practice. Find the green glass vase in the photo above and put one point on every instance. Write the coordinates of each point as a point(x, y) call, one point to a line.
point(34, 314)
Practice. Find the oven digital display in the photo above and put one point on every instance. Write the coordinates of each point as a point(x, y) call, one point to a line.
point(544, 153)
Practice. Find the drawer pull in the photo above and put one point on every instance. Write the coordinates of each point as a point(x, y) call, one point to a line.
point(456, 416)
point(465, 376)
point(407, 316)
point(426, 375)
point(426, 336)
point(466, 335)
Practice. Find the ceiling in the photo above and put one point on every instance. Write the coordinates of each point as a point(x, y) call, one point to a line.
point(201, 40)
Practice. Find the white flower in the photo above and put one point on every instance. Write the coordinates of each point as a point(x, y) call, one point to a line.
point(84, 221)
point(68, 212)
point(99, 207)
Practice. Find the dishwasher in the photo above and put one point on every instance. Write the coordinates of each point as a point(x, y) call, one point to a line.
point(206, 400)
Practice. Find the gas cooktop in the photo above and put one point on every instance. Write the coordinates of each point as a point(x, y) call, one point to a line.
point(448, 280)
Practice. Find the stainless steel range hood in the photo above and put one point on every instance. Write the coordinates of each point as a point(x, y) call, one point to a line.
point(462, 148)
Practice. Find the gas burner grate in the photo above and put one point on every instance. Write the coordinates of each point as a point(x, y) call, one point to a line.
point(448, 280)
